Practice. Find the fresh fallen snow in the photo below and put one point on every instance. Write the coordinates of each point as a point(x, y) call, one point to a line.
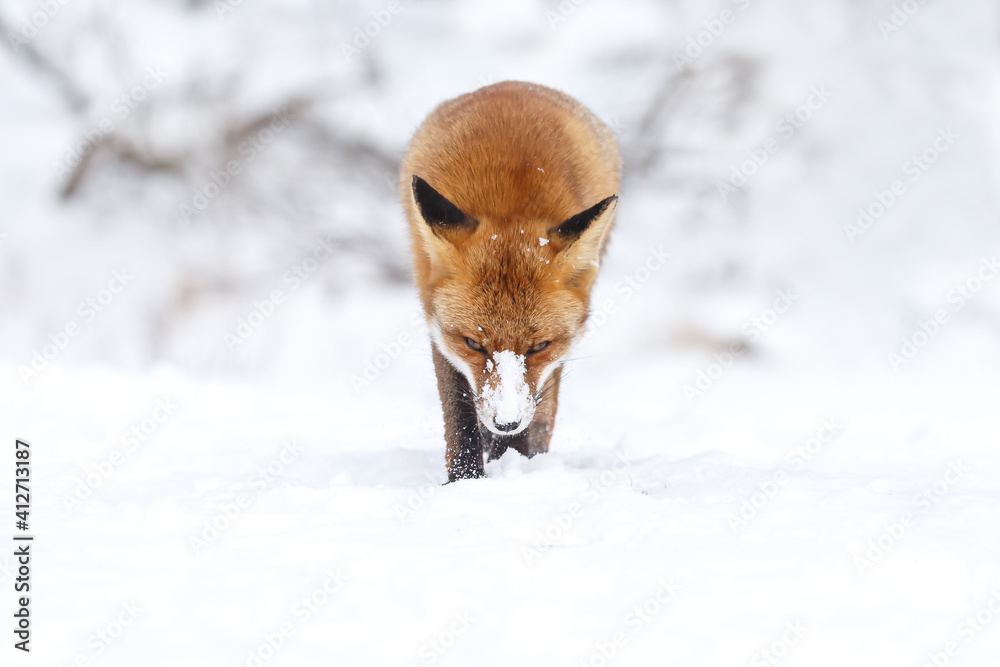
point(508, 397)
point(336, 522)
point(802, 497)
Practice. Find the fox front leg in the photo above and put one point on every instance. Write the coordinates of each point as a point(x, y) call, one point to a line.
point(534, 439)
point(464, 454)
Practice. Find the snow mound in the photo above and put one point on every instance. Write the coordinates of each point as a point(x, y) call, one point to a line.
point(509, 399)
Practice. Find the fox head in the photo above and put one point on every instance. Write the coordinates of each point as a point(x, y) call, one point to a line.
point(506, 298)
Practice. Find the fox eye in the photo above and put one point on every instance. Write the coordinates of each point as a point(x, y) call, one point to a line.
point(539, 347)
point(474, 345)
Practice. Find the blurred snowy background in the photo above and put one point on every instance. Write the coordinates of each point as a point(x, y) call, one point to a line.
point(199, 205)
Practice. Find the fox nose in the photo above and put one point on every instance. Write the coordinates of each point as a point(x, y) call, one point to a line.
point(506, 427)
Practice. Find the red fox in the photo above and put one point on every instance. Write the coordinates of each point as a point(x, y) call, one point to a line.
point(510, 192)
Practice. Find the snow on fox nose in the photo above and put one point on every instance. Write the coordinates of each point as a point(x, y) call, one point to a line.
point(506, 398)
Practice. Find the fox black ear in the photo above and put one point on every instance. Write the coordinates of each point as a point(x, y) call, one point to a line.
point(441, 215)
point(573, 228)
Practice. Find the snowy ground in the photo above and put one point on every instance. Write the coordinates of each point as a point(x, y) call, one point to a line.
point(778, 448)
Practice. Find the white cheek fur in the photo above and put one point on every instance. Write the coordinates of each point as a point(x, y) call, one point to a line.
point(549, 370)
point(487, 419)
point(438, 337)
